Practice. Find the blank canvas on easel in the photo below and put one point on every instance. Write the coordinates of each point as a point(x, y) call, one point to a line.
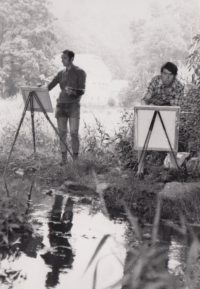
point(158, 141)
point(43, 95)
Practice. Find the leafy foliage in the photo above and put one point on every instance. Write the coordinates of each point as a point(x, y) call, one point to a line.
point(96, 140)
point(26, 38)
point(161, 38)
point(117, 149)
point(189, 132)
point(193, 60)
point(13, 217)
point(125, 142)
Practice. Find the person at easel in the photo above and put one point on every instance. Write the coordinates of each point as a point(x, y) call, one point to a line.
point(72, 81)
point(164, 90)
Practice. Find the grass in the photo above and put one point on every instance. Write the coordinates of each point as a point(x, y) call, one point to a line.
point(111, 156)
point(43, 164)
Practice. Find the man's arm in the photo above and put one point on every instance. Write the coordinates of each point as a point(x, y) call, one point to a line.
point(81, 83)
point(53, 83)
point(147, 96)
point(143, 102)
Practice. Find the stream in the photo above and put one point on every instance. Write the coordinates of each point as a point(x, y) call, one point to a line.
point(69, 230)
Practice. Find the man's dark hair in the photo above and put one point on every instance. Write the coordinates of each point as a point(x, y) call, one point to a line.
point(171, 67)
point(70, 53)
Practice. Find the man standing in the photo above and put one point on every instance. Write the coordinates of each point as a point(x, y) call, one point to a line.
point(164, 90)
point(72, 82)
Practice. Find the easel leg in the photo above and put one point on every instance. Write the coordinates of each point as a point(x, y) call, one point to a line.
point(141, 163)
point(142, 153)
point(32, 121)
point(47, 117)
point(173, 160)
point(16, 135)
point(173, 163)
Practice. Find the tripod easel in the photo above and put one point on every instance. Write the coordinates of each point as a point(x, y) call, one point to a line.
point(33, 95)
point(146, 143)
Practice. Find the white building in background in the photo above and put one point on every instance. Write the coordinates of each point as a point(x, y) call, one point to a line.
point(98, 77)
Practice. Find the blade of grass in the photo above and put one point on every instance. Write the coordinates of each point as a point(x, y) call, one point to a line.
point(133, 223)
point(119, 282)
point(156, 220)
point(192, 259)
point(116, 257)
point(100, 245)
point(95, 275)
point(99, 188)
point(6, 186)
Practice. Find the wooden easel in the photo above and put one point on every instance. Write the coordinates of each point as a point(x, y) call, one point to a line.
point(144, 149)
point(33, 95)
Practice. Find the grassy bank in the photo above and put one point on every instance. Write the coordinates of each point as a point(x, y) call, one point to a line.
point(110, 156)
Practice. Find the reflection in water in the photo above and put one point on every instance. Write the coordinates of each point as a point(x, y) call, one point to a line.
point(30, 246)
point(88, 230)
point(60, 257)
point(172, 245)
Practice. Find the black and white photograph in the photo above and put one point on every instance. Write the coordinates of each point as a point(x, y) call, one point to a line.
point(100, 144)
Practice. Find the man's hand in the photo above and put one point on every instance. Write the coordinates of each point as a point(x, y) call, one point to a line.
point(143, 102)
point(70, 91)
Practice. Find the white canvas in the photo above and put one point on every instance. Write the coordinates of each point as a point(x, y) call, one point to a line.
point(158, 140)
point(43, 95)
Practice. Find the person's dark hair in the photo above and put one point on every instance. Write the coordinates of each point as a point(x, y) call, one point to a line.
point(70, 53)
point(171, 67)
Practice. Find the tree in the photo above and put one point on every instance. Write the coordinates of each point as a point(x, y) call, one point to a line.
point(193, 60)
point(26, 38)
point(189, 130)
point(163, 37)
point(93, 28)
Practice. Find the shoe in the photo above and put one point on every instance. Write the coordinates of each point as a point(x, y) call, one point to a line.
point(75, 157)
point(140, 176)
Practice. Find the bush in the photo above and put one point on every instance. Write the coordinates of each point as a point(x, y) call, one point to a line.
point(189, 130)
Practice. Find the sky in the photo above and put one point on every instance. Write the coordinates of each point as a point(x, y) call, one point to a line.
point(128, 9)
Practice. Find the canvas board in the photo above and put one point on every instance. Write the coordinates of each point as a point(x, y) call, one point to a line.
point(43, 95)
point(158, 141)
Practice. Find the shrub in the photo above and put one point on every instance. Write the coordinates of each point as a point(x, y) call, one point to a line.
point(189, 130)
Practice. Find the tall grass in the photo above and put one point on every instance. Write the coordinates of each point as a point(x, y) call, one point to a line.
point(97, 146)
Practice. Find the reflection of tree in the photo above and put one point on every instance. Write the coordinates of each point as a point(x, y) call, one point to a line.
point(59, 226)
